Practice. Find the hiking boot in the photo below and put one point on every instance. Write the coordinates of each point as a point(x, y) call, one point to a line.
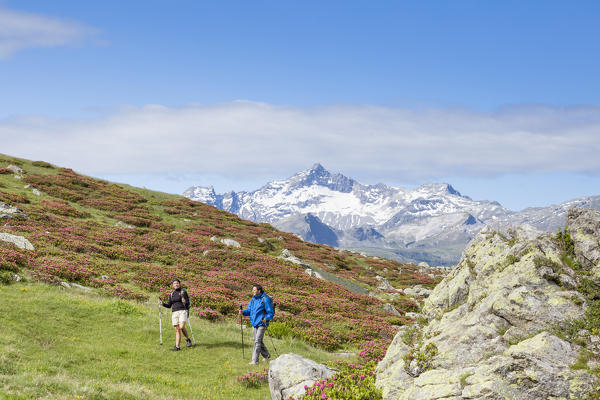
point(253, 363)
point(188, 342)
point(175, 348)
point(267, 358)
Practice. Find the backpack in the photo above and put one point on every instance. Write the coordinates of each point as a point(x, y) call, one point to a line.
point(272, 302)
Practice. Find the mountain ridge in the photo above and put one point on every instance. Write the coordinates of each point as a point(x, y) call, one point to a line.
point(427, 218)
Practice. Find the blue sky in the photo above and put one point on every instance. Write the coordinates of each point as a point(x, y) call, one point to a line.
point(500, 99)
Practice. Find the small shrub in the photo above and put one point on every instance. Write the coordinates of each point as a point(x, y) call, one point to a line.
point(123, 307)
point(280, 330)
point(254, 379)
point(42, 164)
point(5, 278)
point(210, 314)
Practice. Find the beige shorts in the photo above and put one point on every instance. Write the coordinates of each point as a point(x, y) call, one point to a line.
point(179, 317)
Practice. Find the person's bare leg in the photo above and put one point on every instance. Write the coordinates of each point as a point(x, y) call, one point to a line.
point(182, 329)
point(177, 335)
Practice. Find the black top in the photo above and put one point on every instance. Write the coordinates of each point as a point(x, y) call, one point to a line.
point(175, 300)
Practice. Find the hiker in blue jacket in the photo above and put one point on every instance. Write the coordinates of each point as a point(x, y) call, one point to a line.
point(260, 309)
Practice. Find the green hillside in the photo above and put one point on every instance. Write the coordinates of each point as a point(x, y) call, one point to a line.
point(64, 344)
point(129, 243)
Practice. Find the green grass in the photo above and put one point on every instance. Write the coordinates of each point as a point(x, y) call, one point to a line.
point(64, 344)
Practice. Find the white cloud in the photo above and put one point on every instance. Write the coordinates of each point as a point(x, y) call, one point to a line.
point(20, 30)
point(243, 140)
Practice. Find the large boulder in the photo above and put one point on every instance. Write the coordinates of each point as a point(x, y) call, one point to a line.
point(290, 373)
point(18, 241)
point(288, 256)
point(495, 326)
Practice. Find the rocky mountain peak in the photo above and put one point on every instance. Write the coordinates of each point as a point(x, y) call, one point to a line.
point(318, 175)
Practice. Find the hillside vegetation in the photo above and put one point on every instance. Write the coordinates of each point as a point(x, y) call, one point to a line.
point(130, 243)
point(72, 344)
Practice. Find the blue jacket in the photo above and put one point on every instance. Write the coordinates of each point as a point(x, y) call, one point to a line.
point(259, 309)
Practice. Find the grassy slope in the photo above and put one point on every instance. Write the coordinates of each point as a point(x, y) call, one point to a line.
point(64, 344)
point(72, 226)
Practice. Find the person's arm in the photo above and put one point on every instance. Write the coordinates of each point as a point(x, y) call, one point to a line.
point(169, 304)
point(269, 309)
point(186, 298)
point(246, 312)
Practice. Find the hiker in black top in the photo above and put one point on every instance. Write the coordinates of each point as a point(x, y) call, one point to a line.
point(179, 302)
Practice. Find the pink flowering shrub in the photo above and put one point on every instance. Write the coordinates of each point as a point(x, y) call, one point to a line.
point(254, 379)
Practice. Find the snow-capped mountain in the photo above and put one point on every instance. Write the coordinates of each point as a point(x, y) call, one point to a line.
point(431, 223)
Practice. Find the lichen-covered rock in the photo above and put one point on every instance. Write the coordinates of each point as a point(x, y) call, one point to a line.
point(18, 241)
point(384, 284)
point(231, 243)
point(288, 256)
point(289, 373)
point(496, 321)
point(8, 211)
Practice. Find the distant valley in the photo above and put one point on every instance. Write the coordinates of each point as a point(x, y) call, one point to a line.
point(432, 223)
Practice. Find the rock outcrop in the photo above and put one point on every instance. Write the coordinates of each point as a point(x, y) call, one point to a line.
point(8, 211)
point(510, 321)
point(290, 373)
point(19, 241)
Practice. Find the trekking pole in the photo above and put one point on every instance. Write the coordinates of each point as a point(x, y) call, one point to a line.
point(160, 321)
point(190, 325)
point(242, 333)
point(273, 343)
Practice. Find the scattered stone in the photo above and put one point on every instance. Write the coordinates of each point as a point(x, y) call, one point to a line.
point(122, 224)
point(187, 220)
point(289, 373)
point(412, 315)
point(231, 243)
point(345, 354)
point(8, 211)
point(265, 243)
point(214, 239)
point(205, 253)
point(288, 256)
point(423, 264)
point(15, 277)
point(80, 287)
point(280, 238)
point(15, 169)
point(330, 266)
point(387, 307)
point(417, 291)
point(65, 284)
point(384, 284)
point(18, 241)
point(105, 277)
point(313, 273)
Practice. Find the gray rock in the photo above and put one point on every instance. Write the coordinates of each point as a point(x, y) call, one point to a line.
point(265, 243)
point(387, 307)
point(231, 243)
point(65, 284)
point(490, 319)
point(417, 291)
point(18, 241)
point(105, 277)
point(15, 277)
point(122, 224)
point(8, 211)
point(384, 284)
point(314, 274)
point(288, 256)
point(80, 287)
point(289, 373)
point(205, 253)
point(412, 315)
point(15, 169)
point(214, 239)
